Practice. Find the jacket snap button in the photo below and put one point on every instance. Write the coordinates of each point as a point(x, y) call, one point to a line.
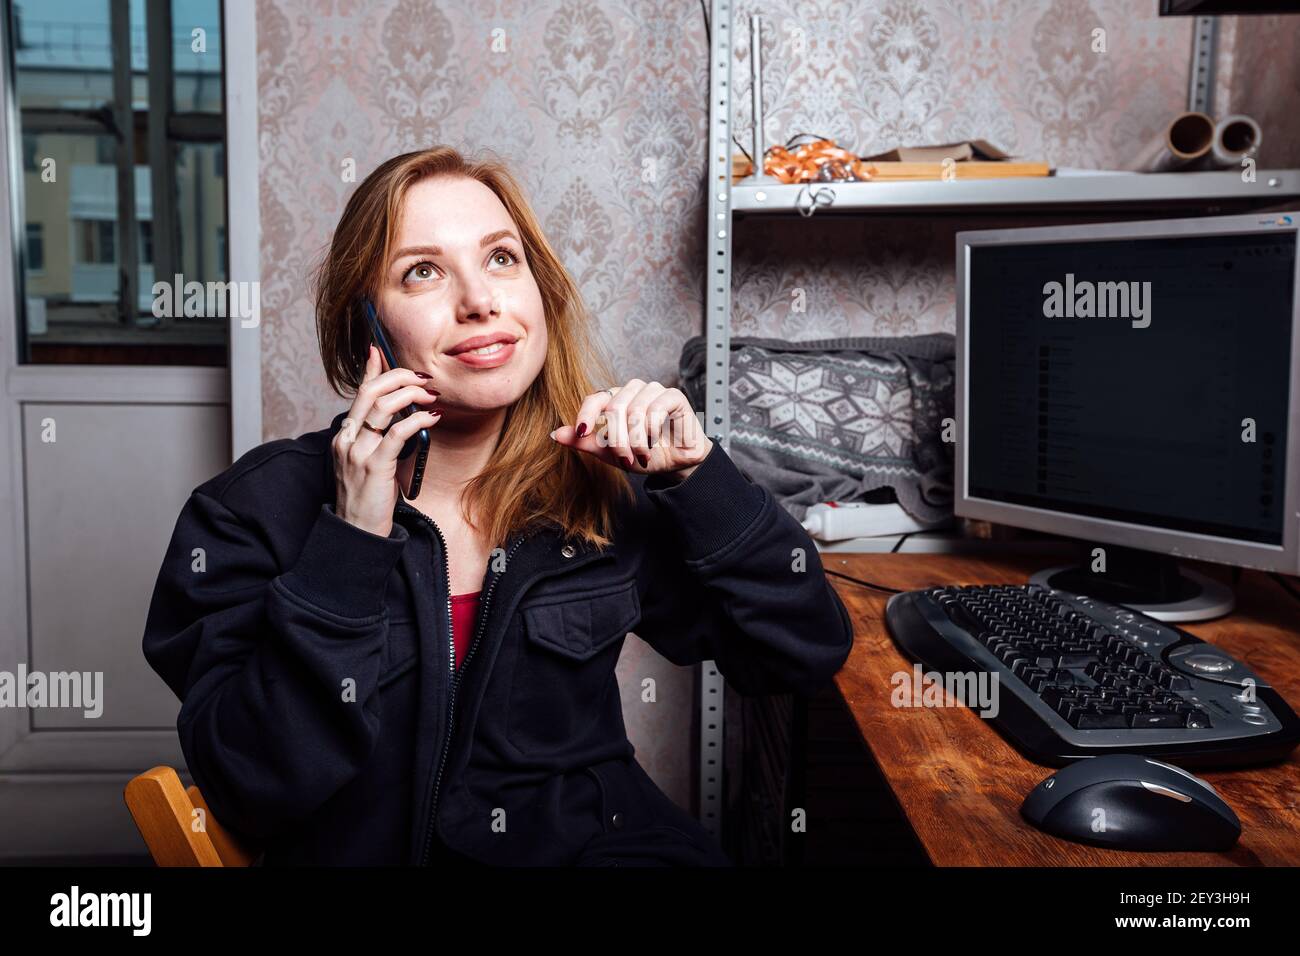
point(567, 551)
point(617, 821)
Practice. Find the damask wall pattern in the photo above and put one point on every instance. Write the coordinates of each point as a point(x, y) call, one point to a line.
point(600, 108)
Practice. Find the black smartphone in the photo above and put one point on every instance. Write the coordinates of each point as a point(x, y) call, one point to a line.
point(415, 453)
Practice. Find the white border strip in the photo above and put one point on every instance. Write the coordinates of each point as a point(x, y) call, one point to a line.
point(243, 220)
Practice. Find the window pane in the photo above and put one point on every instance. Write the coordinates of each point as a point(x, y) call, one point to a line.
point(196, 55)
point(35, 248)
point(201, 202)
point(78, 240)
point(63, 54)
point(71, 201)
point(139, 58)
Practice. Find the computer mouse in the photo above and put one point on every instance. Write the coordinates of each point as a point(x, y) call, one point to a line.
point(1131, 802)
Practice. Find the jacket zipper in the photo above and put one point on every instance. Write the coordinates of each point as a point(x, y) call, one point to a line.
point(455, 674)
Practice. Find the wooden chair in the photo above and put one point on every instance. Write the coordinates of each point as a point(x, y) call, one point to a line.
point(164, 812)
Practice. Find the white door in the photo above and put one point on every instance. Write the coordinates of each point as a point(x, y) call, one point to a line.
point(113, 409)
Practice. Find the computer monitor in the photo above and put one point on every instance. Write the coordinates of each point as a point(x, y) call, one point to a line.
point(1134, 385)
point(1205, 8)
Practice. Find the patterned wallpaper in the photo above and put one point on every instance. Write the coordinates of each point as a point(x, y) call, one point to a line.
point(1260, 60)
point(600, 108)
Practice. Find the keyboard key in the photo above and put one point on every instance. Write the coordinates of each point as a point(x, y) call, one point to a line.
point(1053, 696)
point(1094, 721)
point(1149, 720)
point(1076, 659)
point(962, 617)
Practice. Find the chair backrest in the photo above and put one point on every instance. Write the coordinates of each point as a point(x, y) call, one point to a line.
point(177, 825)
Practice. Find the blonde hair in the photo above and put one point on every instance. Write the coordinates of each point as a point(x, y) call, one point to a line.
point(530, 476)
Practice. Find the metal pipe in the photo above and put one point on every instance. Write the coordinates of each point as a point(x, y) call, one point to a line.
point(759, 173)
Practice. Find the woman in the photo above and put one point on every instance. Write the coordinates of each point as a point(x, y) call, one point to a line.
point(369, 680)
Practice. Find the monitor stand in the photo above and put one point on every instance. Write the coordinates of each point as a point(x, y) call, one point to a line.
point(1146, 582)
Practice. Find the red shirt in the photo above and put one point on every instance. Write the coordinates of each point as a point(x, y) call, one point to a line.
point(464, 614)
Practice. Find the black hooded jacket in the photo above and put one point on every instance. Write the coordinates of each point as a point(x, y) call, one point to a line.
point(321, 716)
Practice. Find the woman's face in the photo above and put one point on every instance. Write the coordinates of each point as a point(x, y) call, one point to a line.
point(458, 274)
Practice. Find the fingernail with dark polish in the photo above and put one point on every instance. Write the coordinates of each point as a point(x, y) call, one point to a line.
point(582, 429)
point(423, 375)
point(644, 460)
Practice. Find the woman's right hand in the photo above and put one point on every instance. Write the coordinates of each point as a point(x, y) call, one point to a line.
point(365, 463)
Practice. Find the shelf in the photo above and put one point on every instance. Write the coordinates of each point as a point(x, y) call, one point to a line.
point(1043, 195)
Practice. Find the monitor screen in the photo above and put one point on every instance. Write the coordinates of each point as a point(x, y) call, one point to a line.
point(1140, 380)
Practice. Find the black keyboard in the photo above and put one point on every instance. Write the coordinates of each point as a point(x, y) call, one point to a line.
point(1078, 677)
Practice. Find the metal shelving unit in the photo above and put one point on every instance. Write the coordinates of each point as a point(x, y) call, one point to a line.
point(1138, 192)
point(760, 195)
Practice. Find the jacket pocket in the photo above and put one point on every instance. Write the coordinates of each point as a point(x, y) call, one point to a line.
point(401, 650)
point(560, 693)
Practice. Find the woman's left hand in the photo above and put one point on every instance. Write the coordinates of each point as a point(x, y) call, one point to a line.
point(648, 429)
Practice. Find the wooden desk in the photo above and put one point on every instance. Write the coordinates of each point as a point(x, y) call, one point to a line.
point(961, 784)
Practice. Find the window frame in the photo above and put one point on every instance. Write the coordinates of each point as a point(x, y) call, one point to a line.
point(122, 323)
point(39, 228)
